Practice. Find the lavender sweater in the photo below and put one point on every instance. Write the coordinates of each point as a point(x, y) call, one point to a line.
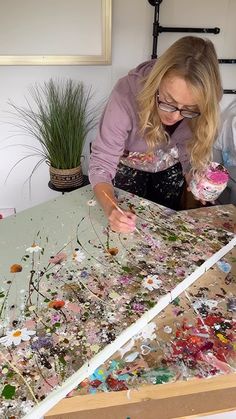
point(118, 129)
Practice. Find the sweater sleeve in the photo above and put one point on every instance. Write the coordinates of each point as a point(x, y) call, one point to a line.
point(113, 131)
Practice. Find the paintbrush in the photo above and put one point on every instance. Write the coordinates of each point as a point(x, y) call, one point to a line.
point(151, 241)
point(119, 209)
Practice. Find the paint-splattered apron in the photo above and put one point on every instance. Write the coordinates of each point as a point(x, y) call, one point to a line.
point(155, 176)
point(164, 187)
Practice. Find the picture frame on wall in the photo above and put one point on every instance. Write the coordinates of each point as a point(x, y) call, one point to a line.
point(59, 32)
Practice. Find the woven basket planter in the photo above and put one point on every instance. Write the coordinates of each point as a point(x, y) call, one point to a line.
point(66, 178)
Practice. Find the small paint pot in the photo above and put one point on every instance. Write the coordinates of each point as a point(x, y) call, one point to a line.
point(210, 184)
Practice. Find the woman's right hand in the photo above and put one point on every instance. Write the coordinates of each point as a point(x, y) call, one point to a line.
point(188, 178)
point(122, 221)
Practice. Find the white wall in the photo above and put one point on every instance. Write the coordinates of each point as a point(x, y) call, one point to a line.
point(131, 44)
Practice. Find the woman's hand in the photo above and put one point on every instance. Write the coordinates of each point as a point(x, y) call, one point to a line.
point(122, 221)
point(188, 178)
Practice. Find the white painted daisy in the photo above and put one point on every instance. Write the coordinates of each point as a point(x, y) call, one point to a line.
point(78, 256)
point(34, 248)
point(167, 329)
point(151, 282)
point(92, 203)
point(16, 336)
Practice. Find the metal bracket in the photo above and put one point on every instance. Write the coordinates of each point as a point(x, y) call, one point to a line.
point(230, 91)
point(196, 30)
point(157, 29)
point(227, 60)
point(154, 2)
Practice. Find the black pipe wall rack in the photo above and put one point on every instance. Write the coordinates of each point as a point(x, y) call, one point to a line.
point(157, 29)
point(227, 60)
point(183, 29)
point(229, 91)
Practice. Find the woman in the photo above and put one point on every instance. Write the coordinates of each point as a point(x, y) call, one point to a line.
point(159, 124)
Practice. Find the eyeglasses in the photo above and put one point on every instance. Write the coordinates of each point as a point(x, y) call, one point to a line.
point(166, 107)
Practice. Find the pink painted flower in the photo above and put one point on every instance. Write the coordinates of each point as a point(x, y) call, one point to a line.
point(73, 307)
point(138, 307)
point(125, 279)
point(55, 318)
point(180, 272)
point(91, 336)
point(57, 259)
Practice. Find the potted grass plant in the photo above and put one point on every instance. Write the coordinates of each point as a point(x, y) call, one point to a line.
point(59, 116)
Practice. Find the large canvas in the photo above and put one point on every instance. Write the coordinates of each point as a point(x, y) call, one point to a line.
point(73, 292)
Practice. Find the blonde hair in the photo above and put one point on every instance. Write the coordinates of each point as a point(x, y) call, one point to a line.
point(193, 59)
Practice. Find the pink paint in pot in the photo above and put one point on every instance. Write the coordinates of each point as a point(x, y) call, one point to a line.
point(211, 183)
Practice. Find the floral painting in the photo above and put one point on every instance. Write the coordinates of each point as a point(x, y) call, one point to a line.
point(70, 287)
